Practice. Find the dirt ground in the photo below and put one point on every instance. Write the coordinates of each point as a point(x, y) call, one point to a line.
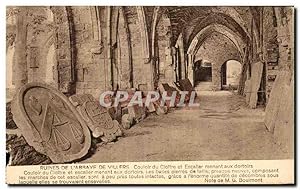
point(222, 128)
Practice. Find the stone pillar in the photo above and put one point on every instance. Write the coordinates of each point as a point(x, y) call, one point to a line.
point(20, 66)
point(174, 62)
point(216, 76)
point(190, 70)
point(109, 49)
point(65, 51)
point(285, 29)
point(169, 72)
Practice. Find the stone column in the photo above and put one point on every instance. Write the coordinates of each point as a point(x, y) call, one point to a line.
point(20, 66)
point(190, 70)
point(64, 47)
point(216, 76)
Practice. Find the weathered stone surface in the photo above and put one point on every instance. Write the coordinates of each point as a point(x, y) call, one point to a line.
point(160, 110)
point(50, 123)
point(127, 121)
point(137, 112)
point(18, 149)
point(116, 112)
point(97, 118)
point(256, 76)
point(247, 90)
point(151, 108)
point(111, 110)
point(10, 124)
point(276, 97)
point(165, 87)
point(65, 49)
point(284, 122)
point(130, 93)
point(186, 85)
point(217, 49)
point(23, 154)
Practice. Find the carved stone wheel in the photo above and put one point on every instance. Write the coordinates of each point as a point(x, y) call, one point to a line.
point(50, 123)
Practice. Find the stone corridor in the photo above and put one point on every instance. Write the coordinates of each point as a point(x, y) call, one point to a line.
point(222, 128)
point(61, 59)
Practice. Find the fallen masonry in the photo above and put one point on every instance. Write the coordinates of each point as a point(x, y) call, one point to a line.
point(97, 118)
point(63, 128)
point(50, 123)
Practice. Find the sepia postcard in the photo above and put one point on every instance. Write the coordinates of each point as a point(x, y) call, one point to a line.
point(150, 95)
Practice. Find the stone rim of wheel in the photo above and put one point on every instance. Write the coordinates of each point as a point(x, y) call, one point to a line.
point(33, 136)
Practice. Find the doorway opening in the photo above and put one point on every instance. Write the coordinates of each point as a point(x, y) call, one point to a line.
point(230, 75)
point(203, 71)
point(203, 75)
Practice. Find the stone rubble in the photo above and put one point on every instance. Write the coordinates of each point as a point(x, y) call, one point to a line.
point(102, 122)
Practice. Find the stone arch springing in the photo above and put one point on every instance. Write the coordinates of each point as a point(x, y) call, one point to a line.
point(201, 35)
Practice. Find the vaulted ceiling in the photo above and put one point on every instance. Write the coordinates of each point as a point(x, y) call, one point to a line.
point(236, 22)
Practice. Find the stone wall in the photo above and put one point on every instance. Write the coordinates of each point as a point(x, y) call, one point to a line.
point(142, 73)
point(90, 42)
point(280, 114)
point(93, 49)
point(217, 49)
point(84, 49)
point(164, 50)
point(270, 47)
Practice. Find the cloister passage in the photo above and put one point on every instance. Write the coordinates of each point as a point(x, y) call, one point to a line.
point(222, 128)
point(239, 60)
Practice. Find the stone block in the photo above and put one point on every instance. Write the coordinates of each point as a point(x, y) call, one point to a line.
point(80, 75)
point(247, 90)
point(276, 96)
point(127, 121)
point(284, 124)
point(137, 112)
point(186, 85)
point(161, 110)
point(151, 108)
point(97, 118)
point(256, 76)
point(165, 87)
point(10, 124)
point(50, 123)
point(20, 153)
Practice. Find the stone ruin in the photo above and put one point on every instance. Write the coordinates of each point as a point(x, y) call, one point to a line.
point(50, 123)
point(44, 126)
point(97, 118)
